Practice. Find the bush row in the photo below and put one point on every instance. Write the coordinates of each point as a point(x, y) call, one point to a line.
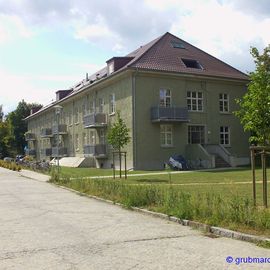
point(10, 165)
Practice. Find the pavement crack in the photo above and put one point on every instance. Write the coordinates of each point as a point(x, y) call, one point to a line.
point(156, 238)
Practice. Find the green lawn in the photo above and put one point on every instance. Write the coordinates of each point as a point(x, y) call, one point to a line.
point(220, 198)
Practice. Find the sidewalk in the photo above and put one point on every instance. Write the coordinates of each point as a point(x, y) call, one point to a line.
point(34, 175)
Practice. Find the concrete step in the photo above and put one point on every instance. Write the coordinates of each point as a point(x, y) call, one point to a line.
point(221, 163)
point(70, 161)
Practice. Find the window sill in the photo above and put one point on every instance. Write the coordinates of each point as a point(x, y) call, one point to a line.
point(112, 114)
point(195, 111)
point(167, 146)
point(76, 123)
point(225, 113)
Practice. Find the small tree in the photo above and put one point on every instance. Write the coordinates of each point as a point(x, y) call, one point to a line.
point(118, 136)
point(254, 110)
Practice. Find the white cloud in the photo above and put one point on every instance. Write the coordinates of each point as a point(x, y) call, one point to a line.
point(12, 28)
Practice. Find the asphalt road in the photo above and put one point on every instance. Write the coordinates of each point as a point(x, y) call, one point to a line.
point(46, 227)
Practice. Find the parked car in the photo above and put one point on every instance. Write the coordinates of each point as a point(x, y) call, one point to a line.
point(19, 158)
point(8, 159)
point(178, 162)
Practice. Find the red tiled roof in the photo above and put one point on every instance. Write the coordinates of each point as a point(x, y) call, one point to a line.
point(160, 55)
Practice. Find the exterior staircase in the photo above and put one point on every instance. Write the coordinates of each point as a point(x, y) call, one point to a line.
point(220, 162)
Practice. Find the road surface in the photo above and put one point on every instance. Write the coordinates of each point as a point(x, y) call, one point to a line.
point(46, 227)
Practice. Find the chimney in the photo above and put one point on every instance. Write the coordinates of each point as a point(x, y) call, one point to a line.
point(60, 94)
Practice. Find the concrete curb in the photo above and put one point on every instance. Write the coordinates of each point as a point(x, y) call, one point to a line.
point(193, 224)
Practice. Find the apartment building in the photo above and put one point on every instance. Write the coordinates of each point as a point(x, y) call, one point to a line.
point(174, 98)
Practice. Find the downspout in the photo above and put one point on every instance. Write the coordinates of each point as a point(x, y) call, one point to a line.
point(134, 119)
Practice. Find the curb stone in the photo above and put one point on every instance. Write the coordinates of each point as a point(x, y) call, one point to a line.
point(185, 222)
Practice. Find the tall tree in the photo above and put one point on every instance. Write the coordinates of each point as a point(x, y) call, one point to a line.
point(1, 113)
point(254, 112)
point(5, 139)
point(18, 125)
point(118, 136)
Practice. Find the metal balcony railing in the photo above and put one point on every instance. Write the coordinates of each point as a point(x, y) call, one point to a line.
point(62, 129)
point(169, 114)
point(97, 150)
point(46, 132)
point(95, 120)
point(30, 136)
point(62, 152)
point(47, 152)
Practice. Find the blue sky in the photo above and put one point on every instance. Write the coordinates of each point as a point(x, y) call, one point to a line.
point(50, 45)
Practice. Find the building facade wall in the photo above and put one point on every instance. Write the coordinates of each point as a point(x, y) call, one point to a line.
point(73, 112)
point(149, 152)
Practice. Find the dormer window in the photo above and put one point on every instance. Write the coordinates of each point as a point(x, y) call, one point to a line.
point(190, 63)
point(111, 68)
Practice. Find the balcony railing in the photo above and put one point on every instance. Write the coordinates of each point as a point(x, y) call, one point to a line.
point(95, 120)
point(30, 152)
point(62, 152)
point(30, 136)
point(97, 150)
point(47, 152)
point(62, 129)
point(169, 114)
point(46, 132)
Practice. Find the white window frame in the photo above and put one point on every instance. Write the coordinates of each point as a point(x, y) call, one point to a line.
point(101, 105)
point(76, 115)
point(166, 135)
point(165, 98)
point(225, 135)
point(224, 104)
point(112, 104)
point(92, 137)
point(195, 98)
point(101, 136)
point(77, 142)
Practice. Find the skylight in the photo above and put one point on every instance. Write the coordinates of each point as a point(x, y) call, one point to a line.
point(190, 63)
point(177, 44)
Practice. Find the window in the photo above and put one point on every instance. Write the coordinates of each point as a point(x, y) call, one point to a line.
point(166, 135)
point(224, 103)
point(190, 63)
point(84, 139)
point(224, 135)
point(112, 104)
point(84, 110)
point(70, 118)
point(101, 105)
point(196, 134)
point(177, 44)
point(165, 98)
point(77, 142)
point(101, 136)
point(91, 106)
point(76, 115)
point(195, 101)
point(92, 138)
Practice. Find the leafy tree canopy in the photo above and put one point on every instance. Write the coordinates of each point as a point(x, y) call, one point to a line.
point(118, 134)
point(254, 112)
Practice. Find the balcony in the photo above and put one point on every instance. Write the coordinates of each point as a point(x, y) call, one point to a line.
point(47, 152)
point(30, 136)
point(46, 133)
point(62, 152)
point(169, 114)
point(95, 120)
point(97, 150)
point(61, 129)
point(30, 152)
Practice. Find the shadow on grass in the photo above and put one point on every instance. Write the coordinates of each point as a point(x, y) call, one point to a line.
point(226, 170)
point(152, 181)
